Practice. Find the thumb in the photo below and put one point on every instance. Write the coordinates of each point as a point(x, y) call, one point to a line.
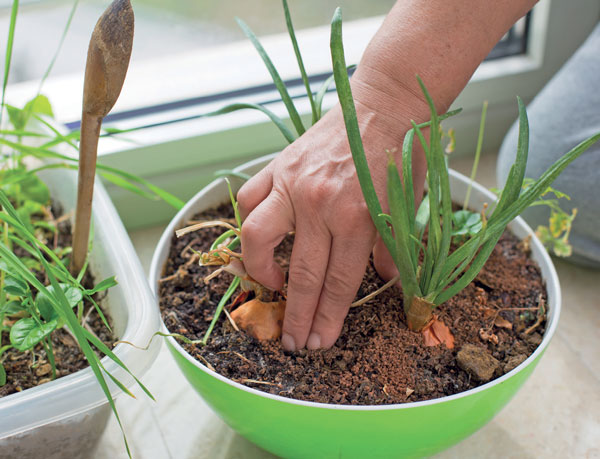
point(383, 261)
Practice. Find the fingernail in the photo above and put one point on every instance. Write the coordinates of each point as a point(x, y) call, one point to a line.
point(314, 341)
point(288, 342)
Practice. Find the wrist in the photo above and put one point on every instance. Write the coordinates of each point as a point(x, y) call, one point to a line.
point(385, 108)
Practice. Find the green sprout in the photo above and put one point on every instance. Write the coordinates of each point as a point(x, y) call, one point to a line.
point(441, 274)
point(316, 103)
point(555, 235)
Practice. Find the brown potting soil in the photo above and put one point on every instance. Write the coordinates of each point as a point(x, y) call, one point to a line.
point(376, 360)
point(32, 368)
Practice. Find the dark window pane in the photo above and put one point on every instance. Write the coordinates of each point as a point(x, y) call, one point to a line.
point(514, 42)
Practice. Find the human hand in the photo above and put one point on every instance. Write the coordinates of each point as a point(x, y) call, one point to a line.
point(312, 187)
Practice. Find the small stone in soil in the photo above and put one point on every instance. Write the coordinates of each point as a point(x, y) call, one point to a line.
point(476, 361)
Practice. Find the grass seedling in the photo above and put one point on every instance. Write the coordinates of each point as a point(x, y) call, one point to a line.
point(441, 274)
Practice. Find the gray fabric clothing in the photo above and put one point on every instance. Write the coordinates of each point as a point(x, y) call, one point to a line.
point(564, 113)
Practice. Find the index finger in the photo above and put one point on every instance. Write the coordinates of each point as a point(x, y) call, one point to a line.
point(262, 231)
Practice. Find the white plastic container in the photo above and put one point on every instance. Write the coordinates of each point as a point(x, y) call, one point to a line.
point(66, 417)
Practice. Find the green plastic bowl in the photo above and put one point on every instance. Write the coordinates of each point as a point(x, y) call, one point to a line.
point(293, 428)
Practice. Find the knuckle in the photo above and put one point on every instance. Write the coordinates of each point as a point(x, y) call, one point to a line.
point(358, 210)
point(316, 193)
point(353, 221)
point(251, 232)
point(303, 278)
point(337, 287)
point(244, 198)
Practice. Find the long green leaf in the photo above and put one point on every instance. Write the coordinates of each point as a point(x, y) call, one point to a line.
point(514, 182)
point(60, 45)
point(40, 152)
point(323, 90)
point(432, 197)
point(9, 50)
point(118, 383)
point(289, 135)
point(122, 183)
point(170, 199)
point(279, 84)
point(353, 131)
point(409, 195)
point(321, 95)
point(59, 137)
point(477, 154)
point(400, 222)
point(110, 354)
point(222, 302)
point(22, 133)
point(407, 177)
point(441, 171)
point(290, 27)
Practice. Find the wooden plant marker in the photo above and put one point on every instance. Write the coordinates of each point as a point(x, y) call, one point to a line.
point(107, 61)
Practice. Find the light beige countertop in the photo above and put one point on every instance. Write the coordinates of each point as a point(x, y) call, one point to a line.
point(555, 415)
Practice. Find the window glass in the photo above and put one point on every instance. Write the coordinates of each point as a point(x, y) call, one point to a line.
point(170, 27)
point(162, 27)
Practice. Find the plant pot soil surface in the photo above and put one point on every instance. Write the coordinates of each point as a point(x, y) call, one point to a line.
point(28, 369)
point(376, 360)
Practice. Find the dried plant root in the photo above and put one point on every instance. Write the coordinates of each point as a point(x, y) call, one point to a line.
point(207, 224)
point(541, 315)
point(370, 296)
